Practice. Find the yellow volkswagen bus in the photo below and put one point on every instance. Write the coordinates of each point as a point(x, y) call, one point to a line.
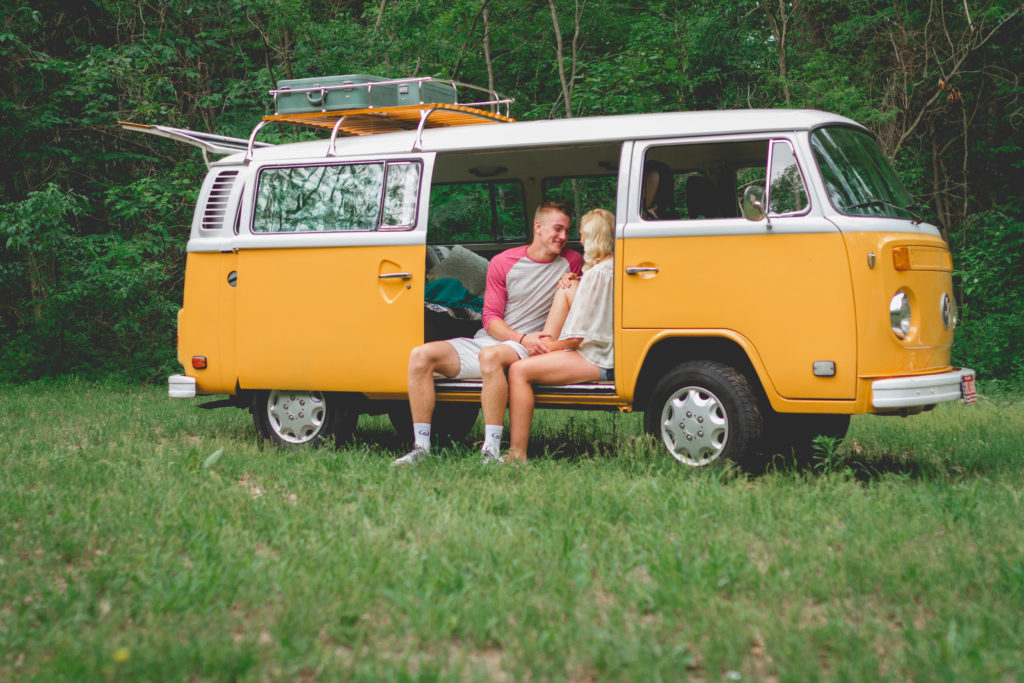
point(783, 284)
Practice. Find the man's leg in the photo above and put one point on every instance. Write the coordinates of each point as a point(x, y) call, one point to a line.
point(424, 360)
point(439, 356)
point(494, 395)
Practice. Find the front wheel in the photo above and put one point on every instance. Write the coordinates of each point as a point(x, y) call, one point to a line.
point(703, 411)
point(302, 418)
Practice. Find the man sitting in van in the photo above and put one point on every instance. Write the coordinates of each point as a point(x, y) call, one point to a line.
point(521, 283)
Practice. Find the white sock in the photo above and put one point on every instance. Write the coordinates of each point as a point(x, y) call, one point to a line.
point(492, 438)
point(421, 435)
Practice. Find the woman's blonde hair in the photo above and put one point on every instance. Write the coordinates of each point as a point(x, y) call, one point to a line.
point(599, 227)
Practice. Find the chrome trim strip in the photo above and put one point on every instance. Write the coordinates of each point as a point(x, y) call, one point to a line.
point(921, 390)
point(474, 385)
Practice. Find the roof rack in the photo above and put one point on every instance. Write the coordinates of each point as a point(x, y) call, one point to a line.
point(388, 119)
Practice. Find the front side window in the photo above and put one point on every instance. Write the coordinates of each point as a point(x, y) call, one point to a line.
point(700, 181)
point(786, 192)
point(859, 179)
point(337, 198)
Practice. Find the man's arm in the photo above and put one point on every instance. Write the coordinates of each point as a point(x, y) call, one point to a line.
point(535, 342)
point(560, 344)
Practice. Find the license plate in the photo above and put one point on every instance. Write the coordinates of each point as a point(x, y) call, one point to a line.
point(967, 391)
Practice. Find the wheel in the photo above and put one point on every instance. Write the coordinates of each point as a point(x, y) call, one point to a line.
point(793, 434)
point(302, 418)
point(703, 411)
point(450, 424)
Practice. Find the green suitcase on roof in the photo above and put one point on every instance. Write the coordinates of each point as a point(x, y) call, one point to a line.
point(421, 91)
point(333, 93)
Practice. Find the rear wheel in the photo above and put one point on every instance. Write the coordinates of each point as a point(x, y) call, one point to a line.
point(702, 411)
point(302, 418)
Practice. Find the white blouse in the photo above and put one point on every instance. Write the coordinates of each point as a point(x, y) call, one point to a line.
point(590, 316)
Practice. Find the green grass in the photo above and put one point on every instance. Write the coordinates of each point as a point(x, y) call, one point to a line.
point(124, 557)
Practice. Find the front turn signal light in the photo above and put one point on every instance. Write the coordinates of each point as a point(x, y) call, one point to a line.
point(901, 258)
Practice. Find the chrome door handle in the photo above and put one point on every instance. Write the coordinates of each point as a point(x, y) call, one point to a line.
point(635, 270)
point(395, 276)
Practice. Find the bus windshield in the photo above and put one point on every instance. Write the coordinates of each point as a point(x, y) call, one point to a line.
point(859, 179)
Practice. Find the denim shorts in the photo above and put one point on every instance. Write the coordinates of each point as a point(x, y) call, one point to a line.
point(607, 374)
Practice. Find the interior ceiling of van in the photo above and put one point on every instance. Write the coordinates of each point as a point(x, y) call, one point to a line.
point(589, 160)
point(537, 163)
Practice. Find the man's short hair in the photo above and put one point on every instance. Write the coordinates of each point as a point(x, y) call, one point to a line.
point(552, 205)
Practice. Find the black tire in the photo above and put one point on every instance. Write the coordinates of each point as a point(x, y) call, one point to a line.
point(450, 424)
point(294, 419)
point(792, 435)
point(703, 411)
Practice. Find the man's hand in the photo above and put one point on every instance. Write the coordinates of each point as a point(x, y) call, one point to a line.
point(536, 343)
point(565, 282)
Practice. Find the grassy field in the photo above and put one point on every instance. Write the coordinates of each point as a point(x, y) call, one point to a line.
point(142, 538)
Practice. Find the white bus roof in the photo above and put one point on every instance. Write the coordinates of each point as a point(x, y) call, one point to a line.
point(560, 132)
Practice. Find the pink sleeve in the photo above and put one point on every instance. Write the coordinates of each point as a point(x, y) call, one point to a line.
point(495, 292)
point(575, 261)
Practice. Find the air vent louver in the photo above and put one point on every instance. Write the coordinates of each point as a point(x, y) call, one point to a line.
point(217, 202)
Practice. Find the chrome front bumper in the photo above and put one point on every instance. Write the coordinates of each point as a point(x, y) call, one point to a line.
point(181, 386)
point(921, 390)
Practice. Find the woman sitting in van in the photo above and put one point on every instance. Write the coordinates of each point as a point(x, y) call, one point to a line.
point(657, 193)
point(579, 328)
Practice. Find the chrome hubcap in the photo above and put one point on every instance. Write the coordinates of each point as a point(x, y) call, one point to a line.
point(295, 416)
point(694, 426)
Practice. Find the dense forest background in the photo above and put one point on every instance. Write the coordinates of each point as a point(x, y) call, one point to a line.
point(94, 220)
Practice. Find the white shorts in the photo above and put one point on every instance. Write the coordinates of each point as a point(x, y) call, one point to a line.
point(469, 348)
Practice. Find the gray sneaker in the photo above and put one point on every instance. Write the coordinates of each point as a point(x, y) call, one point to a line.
point(411, 458)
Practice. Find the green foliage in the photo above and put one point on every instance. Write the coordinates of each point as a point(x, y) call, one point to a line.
point(937, 82)
point(989, 338)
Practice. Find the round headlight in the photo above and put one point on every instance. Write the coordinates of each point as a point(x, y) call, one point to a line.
point(899, 314)
point(947, 311)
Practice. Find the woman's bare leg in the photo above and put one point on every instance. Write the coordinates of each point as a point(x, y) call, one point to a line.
point(560, 309)
point(559, 367)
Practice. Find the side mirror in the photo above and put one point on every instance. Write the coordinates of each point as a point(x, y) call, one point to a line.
point(752, 204)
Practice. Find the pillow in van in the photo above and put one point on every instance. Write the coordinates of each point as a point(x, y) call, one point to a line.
point(436, 254)
point(467, 267)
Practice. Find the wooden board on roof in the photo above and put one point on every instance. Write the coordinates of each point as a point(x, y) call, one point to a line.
point(391, 119)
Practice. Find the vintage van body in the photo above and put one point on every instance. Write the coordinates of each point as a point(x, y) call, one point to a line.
point(749, 316)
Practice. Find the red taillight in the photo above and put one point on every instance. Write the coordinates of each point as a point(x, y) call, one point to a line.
point(199, 362)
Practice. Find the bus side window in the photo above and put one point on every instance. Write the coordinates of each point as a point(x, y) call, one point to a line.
point(487, 211)
point(787, 192)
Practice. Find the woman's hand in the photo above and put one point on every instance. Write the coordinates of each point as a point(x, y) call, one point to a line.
point(565, 282)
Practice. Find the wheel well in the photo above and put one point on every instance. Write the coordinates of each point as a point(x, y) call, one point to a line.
point(669, 353)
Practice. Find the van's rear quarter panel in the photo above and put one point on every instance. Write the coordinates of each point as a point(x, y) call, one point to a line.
point(206, 322)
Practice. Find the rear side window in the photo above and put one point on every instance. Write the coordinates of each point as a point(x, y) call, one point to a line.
point(337, 198)
point(476, 212)
point(583, 193)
